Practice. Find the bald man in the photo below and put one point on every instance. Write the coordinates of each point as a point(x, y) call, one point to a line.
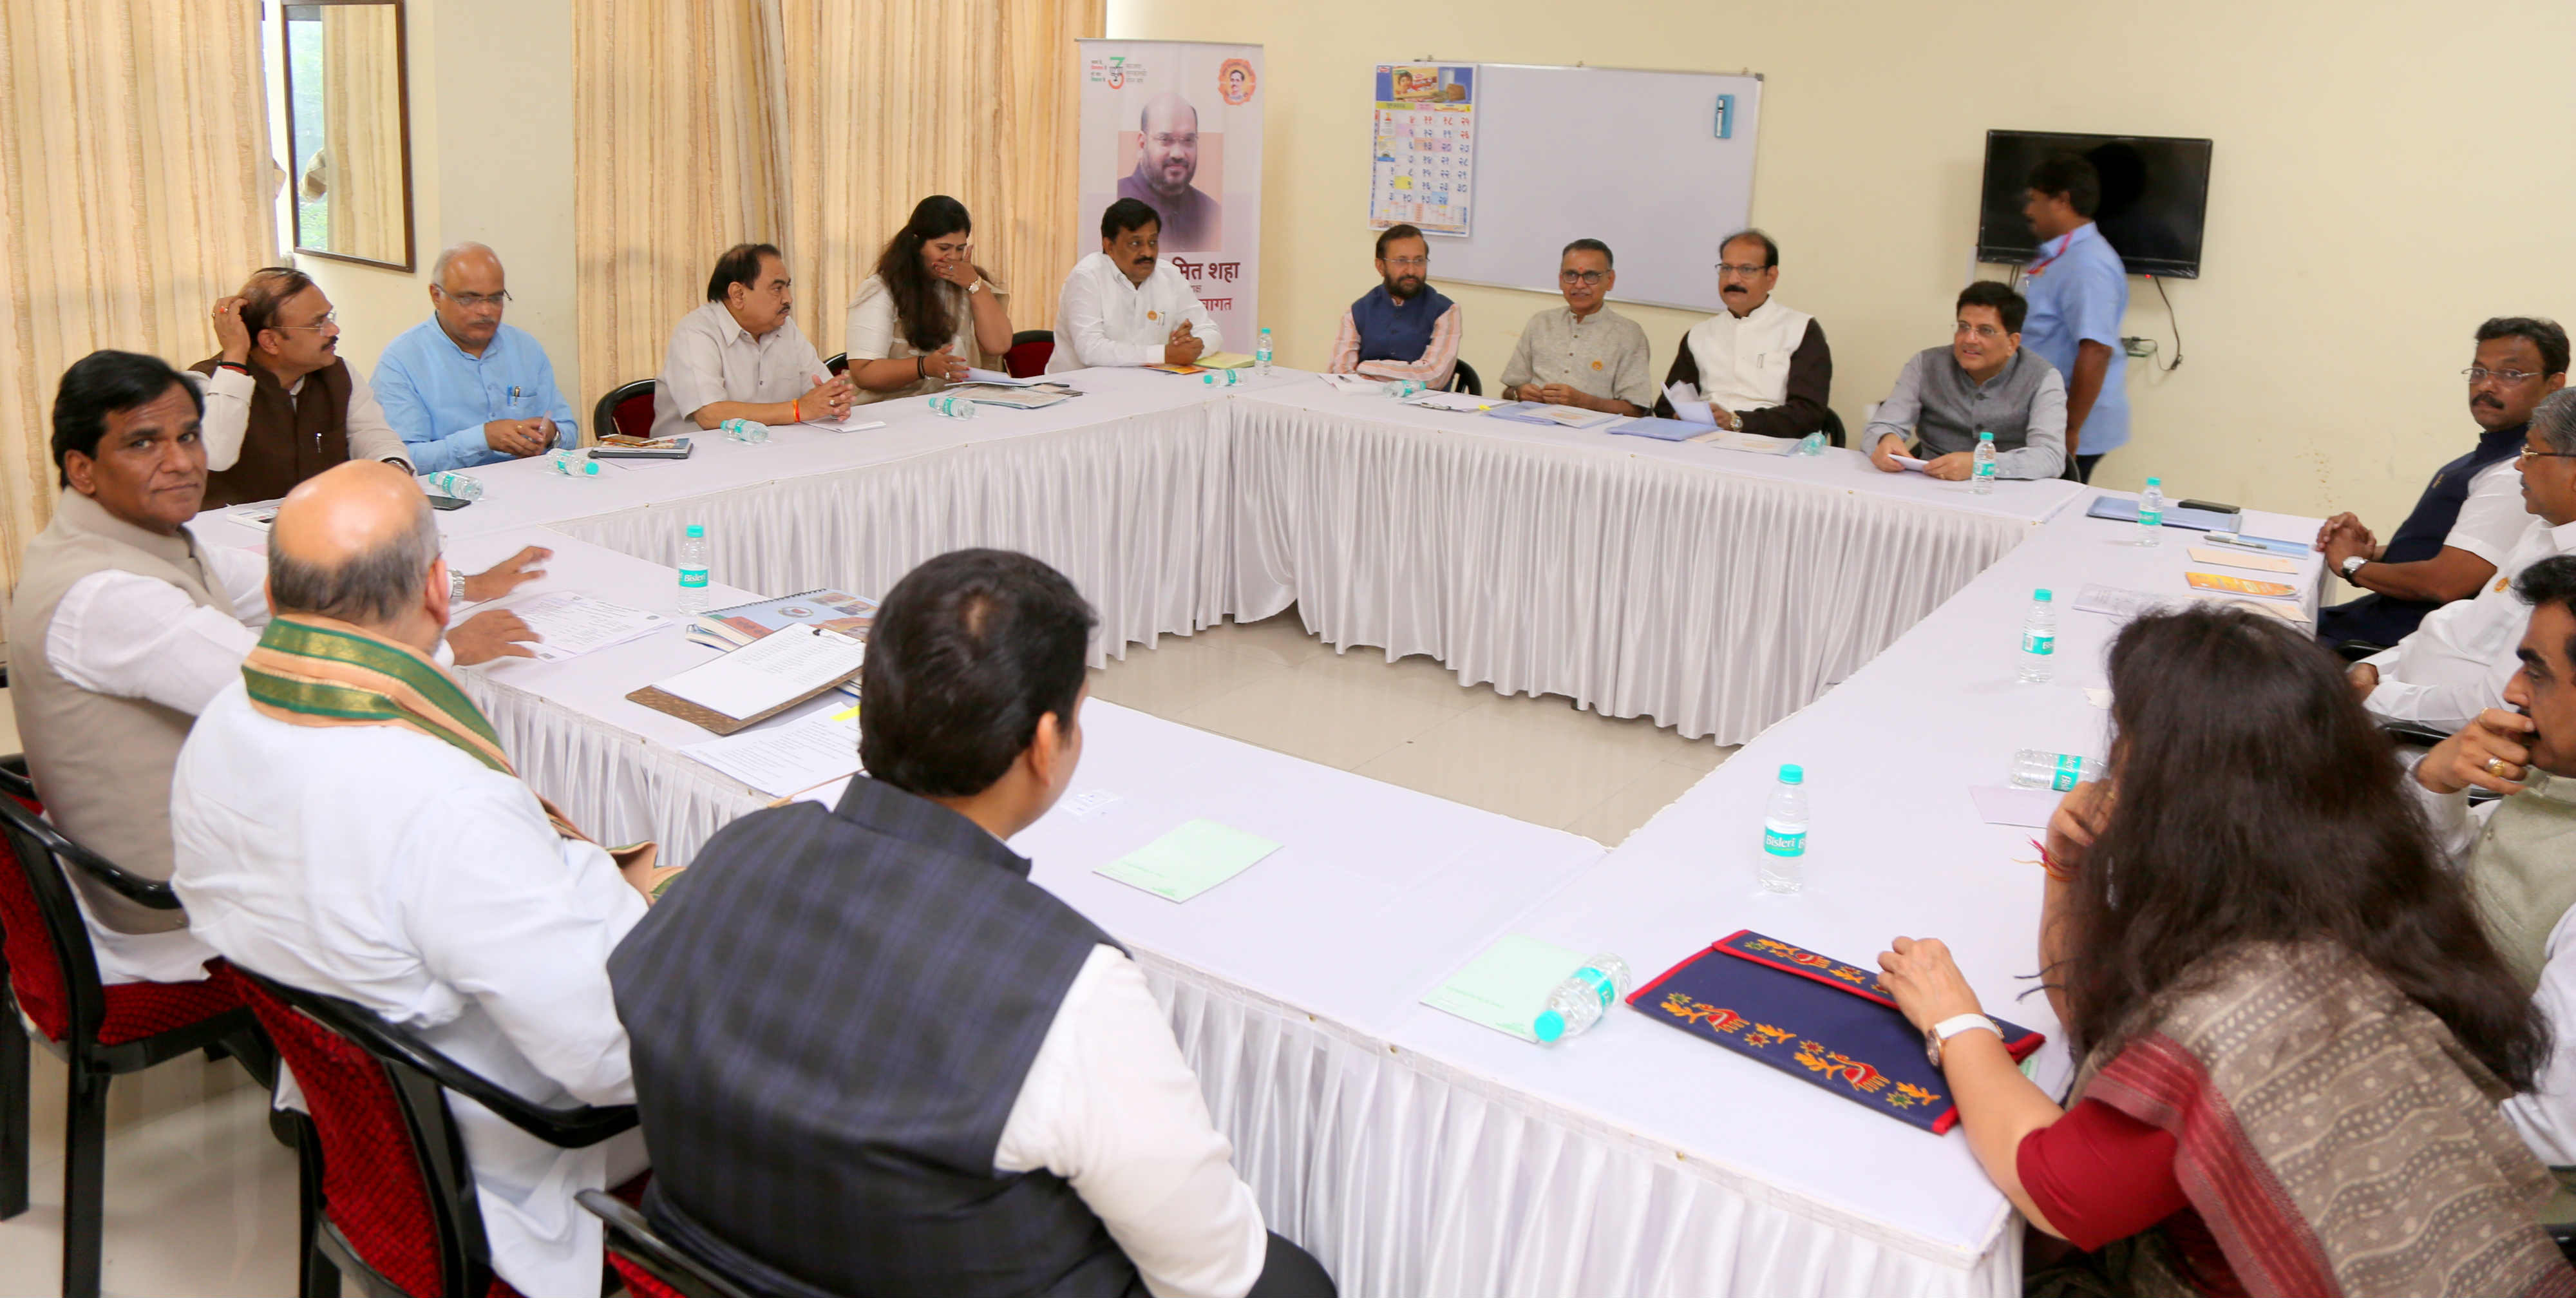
point(463, 388)
point(465, 908)
point(1167, 161)
point(125, 625)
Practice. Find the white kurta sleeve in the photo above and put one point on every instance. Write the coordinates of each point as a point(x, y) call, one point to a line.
point(1083, 319)
point(2547, 1117)
point(129, 636)
point(227, 418)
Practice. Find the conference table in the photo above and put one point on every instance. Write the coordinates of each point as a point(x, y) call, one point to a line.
point(1413, 1152)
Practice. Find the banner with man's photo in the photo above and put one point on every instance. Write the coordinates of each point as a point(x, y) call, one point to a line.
point(1177, 125)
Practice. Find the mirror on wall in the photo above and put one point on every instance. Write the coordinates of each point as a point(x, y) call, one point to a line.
point(348, 122)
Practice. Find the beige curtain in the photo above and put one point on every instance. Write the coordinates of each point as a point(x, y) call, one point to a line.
point(872, 105)
point(135, 189)
point(362, 130)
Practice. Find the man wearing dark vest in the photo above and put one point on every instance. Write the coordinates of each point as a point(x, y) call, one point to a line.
point(872, 1057)
point(281, 405)
point(1403, 328)
point(124, 627)
point(2469, 516)
point(1985, 381)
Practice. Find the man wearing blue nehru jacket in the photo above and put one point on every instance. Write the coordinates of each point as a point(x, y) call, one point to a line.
point(463, 388)
point(1403, 328)
point(2078, 290)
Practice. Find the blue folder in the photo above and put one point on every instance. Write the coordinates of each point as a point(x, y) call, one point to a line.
point(2198, 520)
point(1662, 430)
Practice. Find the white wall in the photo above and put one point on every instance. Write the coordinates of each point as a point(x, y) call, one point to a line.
point(2386, 175)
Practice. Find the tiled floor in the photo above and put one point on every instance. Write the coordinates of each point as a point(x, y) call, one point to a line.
point(200, 1199)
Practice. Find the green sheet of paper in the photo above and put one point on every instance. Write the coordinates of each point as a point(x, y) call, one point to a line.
point(1189, 860)
point(1506, 986)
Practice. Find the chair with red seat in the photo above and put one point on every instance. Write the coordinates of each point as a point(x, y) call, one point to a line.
point(388, 1197)
point(1031, 349)
point(99, 1031)
point(651, 1266)
point(626, 408)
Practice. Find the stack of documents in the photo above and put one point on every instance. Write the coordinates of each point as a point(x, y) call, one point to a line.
point(1010, 396)
point(1458, 401)
point(732, 628)
point(569, 625)
point(790, 757)
point(1539, 412)
point(759, 680)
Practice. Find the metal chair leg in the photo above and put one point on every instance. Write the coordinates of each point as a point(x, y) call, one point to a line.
point(13, 1110)
point(84, 1181)
point(315, 1276)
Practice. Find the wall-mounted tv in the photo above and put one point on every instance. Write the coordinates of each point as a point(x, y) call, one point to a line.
point(2155, 194)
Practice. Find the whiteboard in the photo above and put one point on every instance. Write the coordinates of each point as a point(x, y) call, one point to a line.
point(1630, 158)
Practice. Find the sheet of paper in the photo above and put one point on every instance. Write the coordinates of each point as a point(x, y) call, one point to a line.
point(1189, 860)
point(1911, 463)
point(1224, 361)
point(1506, 985)
point(1689, 406)
point(569, 624)
point(792, 757)
point(1749, 443)
point(2098, 698)
point(2004, 805)
point(1353, 382)
point(1458, 401)
point(995, 377)
point(2117, 602)
point(1569, 417)
point(769, 671)
point(845, 424)
point(2246, 559)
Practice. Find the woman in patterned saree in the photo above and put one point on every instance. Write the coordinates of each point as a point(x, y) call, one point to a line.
point(2293, 1031)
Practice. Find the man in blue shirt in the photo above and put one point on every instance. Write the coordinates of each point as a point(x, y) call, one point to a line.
point(2078, 290)
point(463, 388)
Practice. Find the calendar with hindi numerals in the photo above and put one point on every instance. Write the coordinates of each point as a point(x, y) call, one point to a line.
point(1422, 171)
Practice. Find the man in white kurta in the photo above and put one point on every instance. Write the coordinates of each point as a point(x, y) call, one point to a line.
point(394, 869)
point(1122, 306)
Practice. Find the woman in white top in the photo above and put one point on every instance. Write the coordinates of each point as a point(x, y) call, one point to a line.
point(927, 313)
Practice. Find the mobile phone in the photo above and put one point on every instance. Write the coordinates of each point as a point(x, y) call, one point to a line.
point(448, 502)
point(2212, 506)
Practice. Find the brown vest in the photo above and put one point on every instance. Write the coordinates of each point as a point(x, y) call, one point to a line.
point(291, 437)
point(102, 764)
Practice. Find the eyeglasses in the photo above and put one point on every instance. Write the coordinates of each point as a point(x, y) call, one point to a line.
point(1408, 263)
point(1985, 331)
point(1168, 141)
point(474, 301)
point(2506, 377)
point(329, 320)
point(1747, 271)
point(2530, 454)
point(1586, 278)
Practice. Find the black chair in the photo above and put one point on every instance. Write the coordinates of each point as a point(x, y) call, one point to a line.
point(651, 1266)
point(2353, 651)
point(839, 362)
point(387, 1195)
point(100, 1032)
point(1463, 379)
point(627, 408)
point(1833, 427)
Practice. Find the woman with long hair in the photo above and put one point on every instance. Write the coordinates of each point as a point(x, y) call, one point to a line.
point(928, 312)
point(2293, 1032)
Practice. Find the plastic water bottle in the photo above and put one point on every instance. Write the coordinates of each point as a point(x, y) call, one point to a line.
point(2034, 769)
point(1402, 388)
point(573, 462)
point(953, 407)
point(1812, 444)
point(1221, 378)
point(1583, 999)
point(2151, 513)
point(749, 432)
point(693, 570)
point(448, 482)
point(2039, 640)
point(1261, 355)
point(1981, 477)
point(1784, 833)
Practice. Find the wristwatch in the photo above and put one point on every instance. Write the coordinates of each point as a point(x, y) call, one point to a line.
point(2352, 565)
point(975, 288)
point(455, 587)
point(1950, 1027)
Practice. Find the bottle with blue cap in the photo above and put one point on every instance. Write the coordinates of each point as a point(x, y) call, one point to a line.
point(693, 569)
point(1784, 833)
point(2039, 639)
point(1583, 999)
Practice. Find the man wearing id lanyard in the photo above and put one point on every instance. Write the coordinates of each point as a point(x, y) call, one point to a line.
point(2078, 289)
point(463, 388)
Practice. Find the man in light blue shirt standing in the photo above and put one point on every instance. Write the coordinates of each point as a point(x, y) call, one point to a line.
point(463, 388)
point(2078, 290)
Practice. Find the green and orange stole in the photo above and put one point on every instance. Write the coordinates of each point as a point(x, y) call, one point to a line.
point(315, 671)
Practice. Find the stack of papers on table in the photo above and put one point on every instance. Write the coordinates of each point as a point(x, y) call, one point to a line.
point(759, 680)
point(1749, 443)
point(1225, 361)
point(2126, 604)
point(569, 625)
point(732, 628)
point(1662, 430)
point(1351, 382)
point(788, 758)
point(1458, 401)
point(1021, 396)
point(996, 378)
point(1539, 412)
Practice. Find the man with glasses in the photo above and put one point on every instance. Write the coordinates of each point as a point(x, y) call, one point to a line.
point(280, 404)
point(1984, 381)
point(1761, 366)
point(1167, 161)
point(1403, 328)
point(462, 387)
point(2469, 516)
point(1585, 354)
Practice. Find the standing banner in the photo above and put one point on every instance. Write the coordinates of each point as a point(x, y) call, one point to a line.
point(1177, 124)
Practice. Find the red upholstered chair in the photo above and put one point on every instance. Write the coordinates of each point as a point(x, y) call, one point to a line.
point(651, 1266)
point(1031, 349)
point(99, 1032)
point(388, 1197)
point(627, 408)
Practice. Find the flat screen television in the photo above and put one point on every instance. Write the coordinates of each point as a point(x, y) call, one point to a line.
point(2155, 194)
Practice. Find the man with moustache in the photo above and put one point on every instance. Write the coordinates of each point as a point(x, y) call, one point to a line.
point(1122, 306)
point(1167, 161)
point(741, 356)
point(2469, 516)
point(465, 389)
point(1762, 366)
point(280, 404)
point(1984, 381)
point(1403, 328)
point(1585, 355)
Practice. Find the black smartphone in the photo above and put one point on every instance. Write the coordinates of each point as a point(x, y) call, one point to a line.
point(448, 502)
point(2212, 506)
